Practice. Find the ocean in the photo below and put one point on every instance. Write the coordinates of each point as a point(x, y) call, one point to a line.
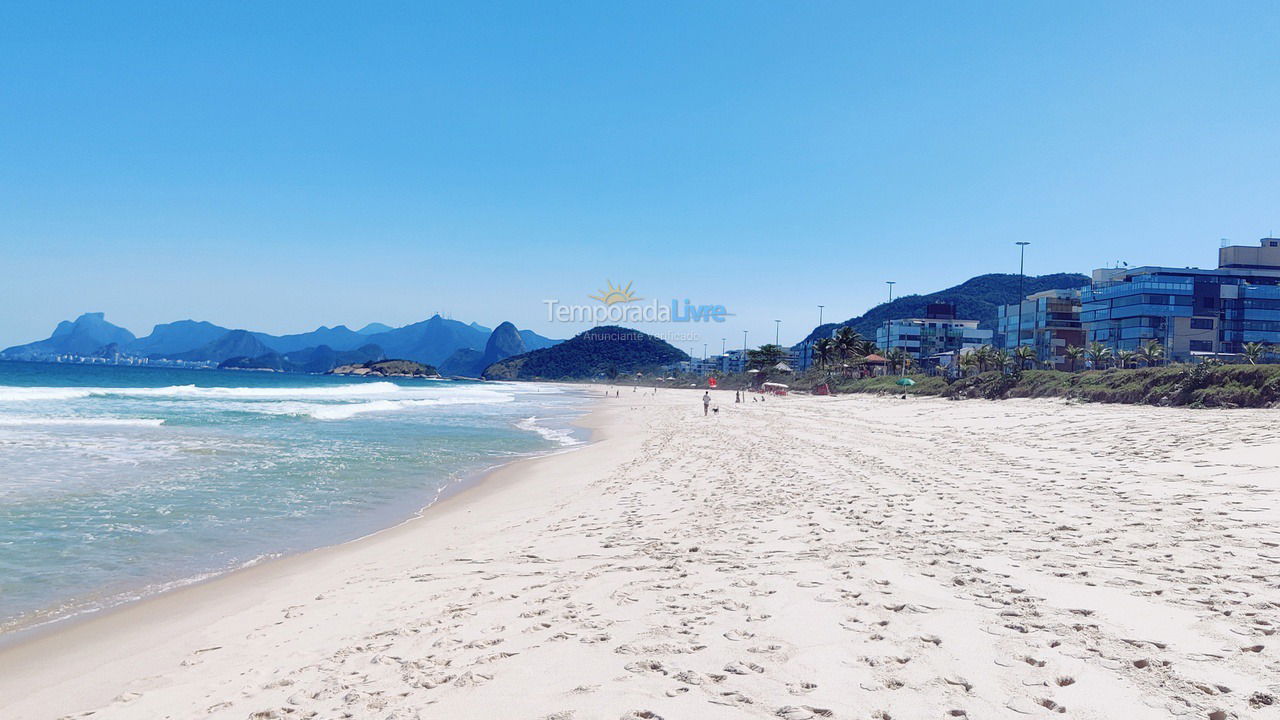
point(119, 482)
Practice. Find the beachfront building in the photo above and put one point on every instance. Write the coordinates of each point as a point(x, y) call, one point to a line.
point(730, 362)
point(930, 338)
point(1194, 313)
point(1047, 321)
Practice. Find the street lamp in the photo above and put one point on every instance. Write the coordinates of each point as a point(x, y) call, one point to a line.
point(888, 315)
point(809, 345)
point(744, 351)
point(1022, 278)
point(777, 325)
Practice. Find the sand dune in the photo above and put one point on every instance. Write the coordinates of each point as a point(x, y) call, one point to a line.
point(846, 557)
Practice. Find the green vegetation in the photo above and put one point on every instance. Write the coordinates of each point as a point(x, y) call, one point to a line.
point(765, 357)
point(388, 368)
point(1203, 385)
point(606, 351)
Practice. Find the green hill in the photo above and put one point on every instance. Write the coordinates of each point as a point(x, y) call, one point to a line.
point(605, 351)
point(975, 299)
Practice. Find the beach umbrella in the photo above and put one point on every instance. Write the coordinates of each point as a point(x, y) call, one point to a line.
point(906, 382)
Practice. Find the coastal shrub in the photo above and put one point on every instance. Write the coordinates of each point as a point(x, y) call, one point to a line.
point(925, 385)
point(1200, 385)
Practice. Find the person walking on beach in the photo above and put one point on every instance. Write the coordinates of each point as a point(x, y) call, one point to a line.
point(706, 403)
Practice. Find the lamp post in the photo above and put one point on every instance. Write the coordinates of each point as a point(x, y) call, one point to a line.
point(888, 341)
point(820, 315)
point(744, 351)
point(1022, 257)
point(777, 328)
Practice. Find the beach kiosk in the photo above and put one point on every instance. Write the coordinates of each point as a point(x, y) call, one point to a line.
point(876, 365)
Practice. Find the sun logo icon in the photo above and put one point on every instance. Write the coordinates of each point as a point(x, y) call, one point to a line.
point(611, 295)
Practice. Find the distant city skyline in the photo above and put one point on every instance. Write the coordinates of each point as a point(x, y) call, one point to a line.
point(280, 167)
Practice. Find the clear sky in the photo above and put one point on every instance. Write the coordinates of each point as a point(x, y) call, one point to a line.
point(279, 166)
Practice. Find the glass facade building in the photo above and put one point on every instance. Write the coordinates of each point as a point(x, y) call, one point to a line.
point(1048, 321)
point(937, 333)
point(1192, 312)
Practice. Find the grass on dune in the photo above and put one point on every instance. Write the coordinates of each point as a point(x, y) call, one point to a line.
point(1202, 385)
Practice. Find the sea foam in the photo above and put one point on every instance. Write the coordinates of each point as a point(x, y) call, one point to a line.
point(563, 436)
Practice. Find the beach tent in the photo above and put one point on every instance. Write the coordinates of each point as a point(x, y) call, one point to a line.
point(774, 388)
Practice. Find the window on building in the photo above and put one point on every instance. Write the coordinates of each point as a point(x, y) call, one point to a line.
point(1201, 323)
point(1202, 346)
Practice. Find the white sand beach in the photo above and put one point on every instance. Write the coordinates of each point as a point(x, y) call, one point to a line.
point(806, 557)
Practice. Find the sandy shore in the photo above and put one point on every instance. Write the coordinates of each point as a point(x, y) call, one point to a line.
point(849, 557)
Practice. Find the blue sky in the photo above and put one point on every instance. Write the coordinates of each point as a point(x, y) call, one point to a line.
point(278, 166)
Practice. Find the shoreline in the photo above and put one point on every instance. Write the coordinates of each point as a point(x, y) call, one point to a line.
point(68, 631)
point(809, 557)
point(33, 629)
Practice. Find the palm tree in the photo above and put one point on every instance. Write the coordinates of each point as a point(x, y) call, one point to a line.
point(1073, 354)
point(968, 362)
point(1254, 351)
point(1098, 354)
point(983, 357)
point(1025, 354)
point(847, 341)
point(1127, 358)
point(1000, 359)
point(1151, 354)
point(824, 351)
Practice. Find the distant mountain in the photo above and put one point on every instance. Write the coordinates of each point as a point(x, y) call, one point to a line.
point(110, 350)
point(503, 342)
point(338, 338)
point(234, 343)
point(464, 362)
point(534, 341)
point(432, 341)
point(176, 337)
point(319, 359)
point(975, 299)
point(606, 351)
point(89, 334)
point(374, 328)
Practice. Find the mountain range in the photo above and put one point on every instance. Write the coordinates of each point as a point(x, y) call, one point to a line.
point(431, 341)
point(975, 299)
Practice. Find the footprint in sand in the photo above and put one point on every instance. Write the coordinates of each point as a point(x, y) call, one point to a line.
point(802, 712)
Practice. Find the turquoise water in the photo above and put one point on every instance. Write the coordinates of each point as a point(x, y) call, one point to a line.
point(116, 482)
